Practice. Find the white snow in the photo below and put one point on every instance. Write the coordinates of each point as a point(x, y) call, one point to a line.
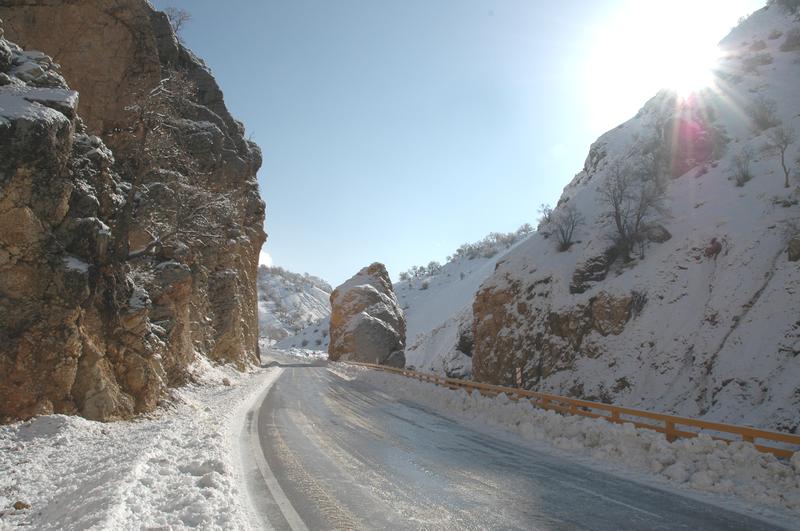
point(716, 338)
point(288, 302)
point(170, 469)
point(75, 264)
point(736, 469)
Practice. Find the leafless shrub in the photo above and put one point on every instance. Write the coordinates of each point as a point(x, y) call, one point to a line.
point(154, 143)
point(775, 34)
point(638, 302)
point(778, 141)
point(762, 114)
point(741, 166)
point(750, 63)
point(758, 45)
point(178, 18)
point(563, 224)
point(545, 216)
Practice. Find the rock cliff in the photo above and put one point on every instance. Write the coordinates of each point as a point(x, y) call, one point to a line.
point(367, 323)
point(693, 307)
point(115, 275)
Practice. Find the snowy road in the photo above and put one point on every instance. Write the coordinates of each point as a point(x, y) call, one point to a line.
point(347, 455)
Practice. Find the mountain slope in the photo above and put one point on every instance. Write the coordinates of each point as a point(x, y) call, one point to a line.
point(437, 302)
point(288, 302)
point(686, 325)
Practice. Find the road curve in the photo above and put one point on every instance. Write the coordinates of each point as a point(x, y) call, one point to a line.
point(345, 455)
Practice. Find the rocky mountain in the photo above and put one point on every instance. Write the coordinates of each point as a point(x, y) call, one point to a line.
point(129, 238)
point(288, 302)
point(677, 289)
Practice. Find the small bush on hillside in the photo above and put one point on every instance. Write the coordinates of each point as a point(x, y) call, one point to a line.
point(762, 114)
point(741, 167)
point(563, 224)
point(750, 63)
point(638, 302)
point(757, 46)
point(545, 216)
point(792, 41)
point(424, 285)
point(775, 34)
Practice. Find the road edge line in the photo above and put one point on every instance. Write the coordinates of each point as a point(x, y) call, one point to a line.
point(282, 501)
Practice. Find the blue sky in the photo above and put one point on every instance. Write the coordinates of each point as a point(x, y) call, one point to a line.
point(397, 130)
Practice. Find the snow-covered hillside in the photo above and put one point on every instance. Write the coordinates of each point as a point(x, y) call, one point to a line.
point(288, 302)
point(687, 325)
point(437, 301)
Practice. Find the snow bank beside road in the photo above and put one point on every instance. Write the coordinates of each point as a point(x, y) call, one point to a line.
point(732, 469)
point(170, 469)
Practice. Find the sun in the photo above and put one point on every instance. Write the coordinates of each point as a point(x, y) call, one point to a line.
point(641, 47)
point(689, 70)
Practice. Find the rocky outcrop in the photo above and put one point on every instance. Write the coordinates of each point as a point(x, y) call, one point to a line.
point(794, 249)
point(83, 329)
point(367, 323)
point(74, 330)
point(546, 340)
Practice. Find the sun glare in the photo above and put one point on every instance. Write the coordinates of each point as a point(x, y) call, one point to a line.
point(643, 47)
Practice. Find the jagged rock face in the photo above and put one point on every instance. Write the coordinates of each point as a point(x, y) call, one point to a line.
point(545, 340)
point(195, 293)
point(74, 339)
point(367, 323)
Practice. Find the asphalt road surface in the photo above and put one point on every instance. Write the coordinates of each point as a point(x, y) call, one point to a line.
point(336, 454)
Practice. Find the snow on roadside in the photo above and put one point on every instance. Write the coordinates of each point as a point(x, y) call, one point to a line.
point(170, 469)
point(736, 469)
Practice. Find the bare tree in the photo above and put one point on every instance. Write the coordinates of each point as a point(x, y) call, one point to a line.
point(778, 141)
point(178, 19)
point(633, 197)
point(154, 143)
point(563, 223)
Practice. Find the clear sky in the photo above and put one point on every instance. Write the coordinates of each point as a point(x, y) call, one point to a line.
point(396, 130)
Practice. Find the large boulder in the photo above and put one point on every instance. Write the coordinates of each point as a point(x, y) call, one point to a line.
point(367, 323)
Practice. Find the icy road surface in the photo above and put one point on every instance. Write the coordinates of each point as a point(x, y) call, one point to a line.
point(347, 455)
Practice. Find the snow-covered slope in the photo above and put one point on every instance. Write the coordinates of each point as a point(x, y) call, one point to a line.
point(438, 309)
point(672, 329)
point(288, 302)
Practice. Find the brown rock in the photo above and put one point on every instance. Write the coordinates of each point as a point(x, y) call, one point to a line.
point(794, 249)
point(21, 506)
point(82, 331)
point(367, 323)
point(609, 314)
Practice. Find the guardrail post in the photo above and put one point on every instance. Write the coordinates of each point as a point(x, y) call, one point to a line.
point(670, 430)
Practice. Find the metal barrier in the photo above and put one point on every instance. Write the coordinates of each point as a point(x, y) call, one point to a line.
point(672, 426)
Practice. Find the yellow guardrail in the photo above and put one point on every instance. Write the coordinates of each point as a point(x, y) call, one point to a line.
point(672, 426)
